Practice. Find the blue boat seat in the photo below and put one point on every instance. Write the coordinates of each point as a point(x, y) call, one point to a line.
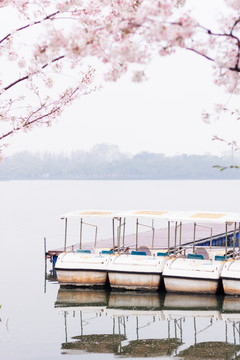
point(83, 251)
point(195, 256)
point(162, 254)
point(107, 252)
point(219, 258)
point(134, 252)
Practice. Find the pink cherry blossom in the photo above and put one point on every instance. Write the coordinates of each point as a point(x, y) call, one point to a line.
point(53, 43)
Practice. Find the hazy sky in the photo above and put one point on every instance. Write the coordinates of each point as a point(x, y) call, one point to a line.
point(160, 115)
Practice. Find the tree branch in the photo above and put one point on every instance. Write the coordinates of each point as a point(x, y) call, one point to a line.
point(199, 53)
point(234, 25)
point(29, 25)
point(52, 112)
point(229, 35)
point(26, 124)
point(27, 76)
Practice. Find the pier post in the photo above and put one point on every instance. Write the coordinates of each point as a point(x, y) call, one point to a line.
point(65, 238)
point(175, 237)
point(119, 233)
point(153, 234)
point(169, 226)
point(136, 234)
point(124, 228)
point(180, 235)
point(95, 241)
point(113, 235)
point(226, 233)
point(194, 237)
point(234, 238)
point(81, 223)
point(45, 247)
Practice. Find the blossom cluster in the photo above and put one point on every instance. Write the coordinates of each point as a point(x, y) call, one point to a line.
point(54, 42)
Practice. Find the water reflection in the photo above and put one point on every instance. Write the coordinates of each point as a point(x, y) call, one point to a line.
point(149, 324)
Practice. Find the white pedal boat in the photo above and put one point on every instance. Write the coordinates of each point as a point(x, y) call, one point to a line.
point(200, 271)
point(82, 269)
point(231, 277)
point(193, 274)
point(136, 271)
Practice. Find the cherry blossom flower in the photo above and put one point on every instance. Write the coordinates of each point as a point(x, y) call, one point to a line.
point(54, 42)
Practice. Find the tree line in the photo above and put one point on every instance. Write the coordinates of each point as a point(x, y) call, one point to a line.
point(106, 162)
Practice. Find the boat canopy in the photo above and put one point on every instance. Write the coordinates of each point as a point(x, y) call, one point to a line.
point(186, 216)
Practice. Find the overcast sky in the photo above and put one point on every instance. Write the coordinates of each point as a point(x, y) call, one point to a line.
point(160, 115)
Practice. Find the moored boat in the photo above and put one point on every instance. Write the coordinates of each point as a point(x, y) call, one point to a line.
point(137, 270)
point(140, 269)
point(199, 270)
point(82, 269)
point(83, 266)
point(231, 277)
point(231, 271)
point(192, 274)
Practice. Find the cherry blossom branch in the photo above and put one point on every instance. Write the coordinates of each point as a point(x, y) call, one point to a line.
point(28, 124)
point(230, 35)
point(199, 53)
point(67, 98)
point(229, 143)
point(29, 25)
point(27, 76)
point(234, 25)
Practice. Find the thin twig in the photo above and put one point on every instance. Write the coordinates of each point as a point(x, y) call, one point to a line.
point(29, 25)
point(27, 76)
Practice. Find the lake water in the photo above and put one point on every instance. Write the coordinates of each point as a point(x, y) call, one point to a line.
point(40, 321)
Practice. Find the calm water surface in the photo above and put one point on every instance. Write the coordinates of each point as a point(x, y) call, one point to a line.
point(38, 320)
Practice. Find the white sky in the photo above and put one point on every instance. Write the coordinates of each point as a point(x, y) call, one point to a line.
point(160, 115)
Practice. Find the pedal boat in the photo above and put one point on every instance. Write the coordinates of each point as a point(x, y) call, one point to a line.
point(83, 267)
point(200, 270)
point(193, 274)
point(140, 269)
point(137, 270)
point(231, 277)
point(231, 271)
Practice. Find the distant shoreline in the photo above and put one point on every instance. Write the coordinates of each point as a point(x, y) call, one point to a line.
point(106, 164)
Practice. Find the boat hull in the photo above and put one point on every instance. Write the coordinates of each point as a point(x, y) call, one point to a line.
point(82, 278)
point(231, 286)
point(134, 272)
point(192, 285)
point(231, 277)
point(192, 276)
point(82, 270)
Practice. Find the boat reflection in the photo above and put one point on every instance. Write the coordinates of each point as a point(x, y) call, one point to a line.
point(128, 324)
point(74, 297)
